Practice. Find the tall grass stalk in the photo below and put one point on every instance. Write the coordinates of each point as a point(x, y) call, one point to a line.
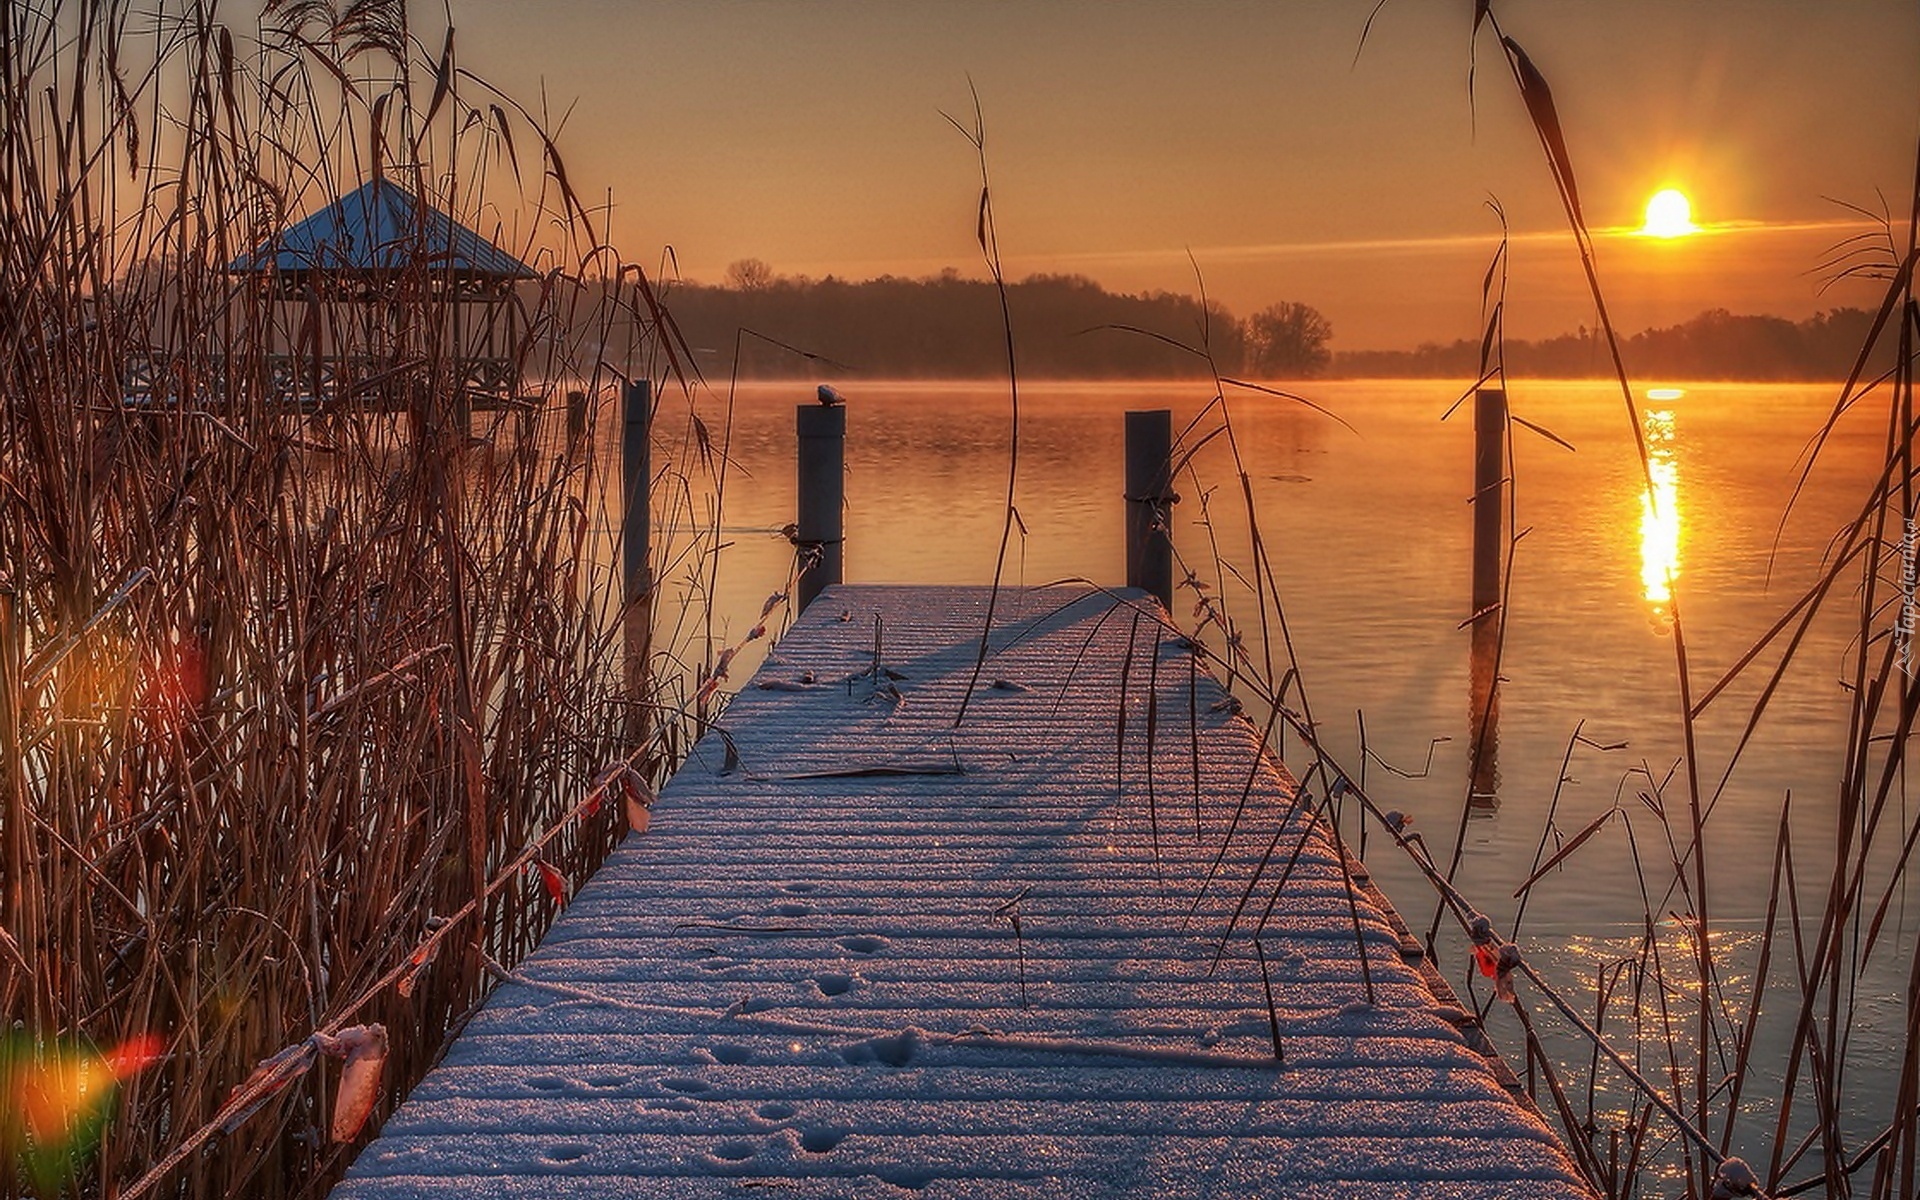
point(300, 704)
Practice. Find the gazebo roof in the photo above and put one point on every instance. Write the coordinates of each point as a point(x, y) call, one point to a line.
point(381, 229)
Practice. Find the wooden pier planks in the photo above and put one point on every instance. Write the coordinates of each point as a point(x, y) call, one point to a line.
point(807, 979)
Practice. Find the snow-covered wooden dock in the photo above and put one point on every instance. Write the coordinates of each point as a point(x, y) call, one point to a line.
point(867, 953)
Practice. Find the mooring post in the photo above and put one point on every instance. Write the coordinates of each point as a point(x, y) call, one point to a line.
point(1489, 495)
point(823, 457)
point(1149, 502)
point(1489, 523)
point(636, 577)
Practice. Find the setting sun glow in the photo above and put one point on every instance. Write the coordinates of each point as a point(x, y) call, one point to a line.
point(1669, 215)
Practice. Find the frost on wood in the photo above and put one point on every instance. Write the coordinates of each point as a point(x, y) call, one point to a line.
point(805, 980)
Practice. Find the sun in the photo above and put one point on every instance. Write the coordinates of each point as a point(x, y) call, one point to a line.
point(1669, 215)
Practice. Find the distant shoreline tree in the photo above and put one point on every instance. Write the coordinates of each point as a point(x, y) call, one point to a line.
point(749, 275)
point(1288, 340)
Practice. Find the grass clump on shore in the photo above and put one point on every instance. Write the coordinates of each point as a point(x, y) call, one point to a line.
point(311, 694)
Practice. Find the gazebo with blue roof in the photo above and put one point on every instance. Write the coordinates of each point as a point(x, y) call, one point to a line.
point(418, 273)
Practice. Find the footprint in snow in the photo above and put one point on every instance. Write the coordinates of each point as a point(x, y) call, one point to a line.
point(833, 983)
point(691, 1087)
point(820, 1141)
point(895, 1051)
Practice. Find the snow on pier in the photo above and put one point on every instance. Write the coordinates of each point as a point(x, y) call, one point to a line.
point(864, 953)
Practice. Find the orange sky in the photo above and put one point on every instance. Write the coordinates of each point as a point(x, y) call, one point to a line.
point(1123, 135)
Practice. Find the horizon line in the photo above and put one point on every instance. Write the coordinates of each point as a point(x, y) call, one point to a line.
point(1267, 251)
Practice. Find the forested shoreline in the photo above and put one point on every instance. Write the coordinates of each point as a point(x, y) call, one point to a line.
point(1069, 326)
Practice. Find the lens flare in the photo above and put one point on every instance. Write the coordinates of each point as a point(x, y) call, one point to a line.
point(56, 1096)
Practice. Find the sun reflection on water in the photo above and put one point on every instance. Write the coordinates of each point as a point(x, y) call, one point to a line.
point(1660, 515)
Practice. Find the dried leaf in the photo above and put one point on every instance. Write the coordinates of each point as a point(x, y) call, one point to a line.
point(506, 139)
point(604, 782)
point(377, 134)
point(639, 799)
point(1546, 121)
point(223, 49)
point(417, 964)
point(1560, 856)
point(556, 883)
point(1493, 267)
point(1505, 964)
point(1488, 959)
point(365, 1049)
point(1544, 432)
point(442, 80)
point(1487, 338)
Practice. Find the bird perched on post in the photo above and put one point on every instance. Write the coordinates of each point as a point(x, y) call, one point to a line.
point(829, 397)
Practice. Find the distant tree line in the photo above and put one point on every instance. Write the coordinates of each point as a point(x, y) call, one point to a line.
point(1069, 327)
point(1716, 344)
point(1066, 326)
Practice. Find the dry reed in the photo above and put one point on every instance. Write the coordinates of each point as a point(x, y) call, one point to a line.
point(309, 684)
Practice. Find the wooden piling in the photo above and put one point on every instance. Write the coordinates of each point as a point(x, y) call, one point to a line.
point(1149, 502)
point(1489, 531)
point(636, 576)
point(1489, 496)
point(823, 442)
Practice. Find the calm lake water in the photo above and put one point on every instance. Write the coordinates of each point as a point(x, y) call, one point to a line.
point(1370, 532)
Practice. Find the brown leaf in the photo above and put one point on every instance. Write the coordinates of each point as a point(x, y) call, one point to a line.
point(506, 139)
point(442, 80)
point(1546, 121)
point(417, 964)
point(639, 799)
point(365, 1049)
point(556, 883)
point(377, 135)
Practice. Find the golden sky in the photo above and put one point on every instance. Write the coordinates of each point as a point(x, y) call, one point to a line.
point(1123, 136)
